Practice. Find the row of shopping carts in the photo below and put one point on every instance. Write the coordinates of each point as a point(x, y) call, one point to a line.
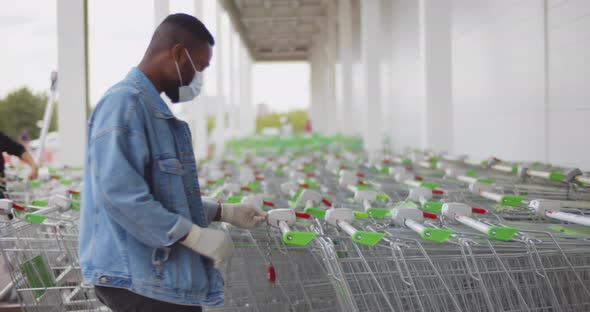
point(407, 232)
point(347, 231)
point(39, 242)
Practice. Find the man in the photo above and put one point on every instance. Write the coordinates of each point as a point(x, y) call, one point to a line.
point(144, 241)
point(9, 146)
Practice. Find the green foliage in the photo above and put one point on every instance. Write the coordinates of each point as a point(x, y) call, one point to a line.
point(22, 109)
point(296, 118)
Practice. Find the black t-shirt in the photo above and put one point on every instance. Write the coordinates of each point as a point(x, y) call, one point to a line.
point(9, 146)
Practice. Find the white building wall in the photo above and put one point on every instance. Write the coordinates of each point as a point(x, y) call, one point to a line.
point(405, 109)
point(568, 31)
point(499, 78)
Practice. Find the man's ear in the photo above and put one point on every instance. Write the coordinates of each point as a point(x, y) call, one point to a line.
point(177, 53)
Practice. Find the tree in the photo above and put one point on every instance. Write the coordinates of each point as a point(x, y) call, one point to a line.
point(22, 109)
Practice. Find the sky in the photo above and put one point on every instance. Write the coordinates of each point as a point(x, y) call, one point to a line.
point(119, 32)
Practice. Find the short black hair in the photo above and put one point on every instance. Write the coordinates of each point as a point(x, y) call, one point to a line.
point(181, 28)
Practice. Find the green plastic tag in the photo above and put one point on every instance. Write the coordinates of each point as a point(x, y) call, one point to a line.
point(360, 215)
point(512, 201)
point(378, 213)
point(434, 207)
point(556, 176)
point(233, 199)
point(76, 196)
point(34, 218)
point(66, 182)
point(296, 195)
point(315, 212)
point(39, 203)
point(486, 181)
point(503, 233)
point(383, 197)
point(37, 275)
point(35, 184)
point(471, 173)
point(429, 185)
point(75, 205)
point(298, 238)
point(367, 238)
point(407, 162)
point(254, 186)
point(436, 235)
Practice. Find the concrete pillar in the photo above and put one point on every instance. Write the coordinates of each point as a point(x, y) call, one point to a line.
point(221, 100)
point(330, 55)
point(385, 67)
point(345, 51)
point(72, 45)
point(245, 109)
point(161, 10)
point(318, 81)
point(435, 53)
point(371, 52)
point(199, 124)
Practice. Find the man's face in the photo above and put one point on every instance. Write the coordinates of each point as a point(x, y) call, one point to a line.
point(201, 57)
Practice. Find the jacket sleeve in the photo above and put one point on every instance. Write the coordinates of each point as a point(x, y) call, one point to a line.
point(118, 158)
point(10, 146)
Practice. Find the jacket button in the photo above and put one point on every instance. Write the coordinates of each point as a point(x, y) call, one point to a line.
point(104, 280)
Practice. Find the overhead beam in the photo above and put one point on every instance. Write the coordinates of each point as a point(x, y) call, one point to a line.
point(234, 15)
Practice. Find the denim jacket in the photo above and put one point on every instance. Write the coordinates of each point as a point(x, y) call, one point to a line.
point(141, 195)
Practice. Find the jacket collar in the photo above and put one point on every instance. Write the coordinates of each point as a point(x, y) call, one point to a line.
point(159, 107)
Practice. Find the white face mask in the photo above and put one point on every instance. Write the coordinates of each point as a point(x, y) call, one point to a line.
point(190, 92)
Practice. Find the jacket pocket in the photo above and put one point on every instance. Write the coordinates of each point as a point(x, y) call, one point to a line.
point(171, 165)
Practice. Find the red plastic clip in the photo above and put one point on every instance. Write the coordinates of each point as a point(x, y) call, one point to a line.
point(304, 185)
point(326, 202)
point(437, 192)
point(429, 215)
point(268, 203)
point(310, 174)
point(419, 178)
point(259, 178)
point(360, 174)
point(270, 273)
point(478, 210)
point(245, 188)
point(72, 192)
point(18, 207)
point(302, 215)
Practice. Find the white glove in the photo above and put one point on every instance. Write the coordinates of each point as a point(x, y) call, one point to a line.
point(245, 216)
point(210, 243)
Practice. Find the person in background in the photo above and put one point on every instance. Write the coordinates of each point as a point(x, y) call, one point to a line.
point(24, 137)
point(9, 146)
point(145, 241)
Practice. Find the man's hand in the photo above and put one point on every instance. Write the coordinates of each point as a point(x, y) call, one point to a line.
point(34, 173)
point(245, 216)
point(210, 243)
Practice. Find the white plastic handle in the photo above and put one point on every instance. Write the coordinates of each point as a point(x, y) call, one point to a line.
point(491, 196)
point(415, 226)
point(568, 217)
point(474, 224)
point(466, 179)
